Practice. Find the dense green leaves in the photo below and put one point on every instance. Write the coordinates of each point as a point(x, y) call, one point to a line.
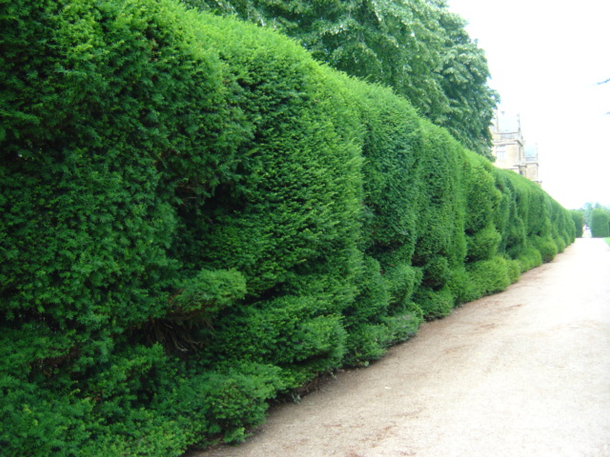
point(196, 217)
point(600, 223)
point(417, 47)
point(579, 221)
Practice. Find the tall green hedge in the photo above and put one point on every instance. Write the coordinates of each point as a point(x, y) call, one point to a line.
point(600, 223)
point(197, 218)
point(579, 221)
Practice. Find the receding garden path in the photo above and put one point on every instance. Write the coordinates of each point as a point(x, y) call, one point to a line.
point(522, 373)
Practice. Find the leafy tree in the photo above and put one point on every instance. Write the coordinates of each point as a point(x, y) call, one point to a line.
point(417, 47)
point(464, 82)
point(587, 210)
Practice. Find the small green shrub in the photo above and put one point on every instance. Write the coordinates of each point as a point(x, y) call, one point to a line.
point(490, 276)
point(546, 246)
point(514, 270)
point(529, 258)
point(483, 244)
point(435, 304)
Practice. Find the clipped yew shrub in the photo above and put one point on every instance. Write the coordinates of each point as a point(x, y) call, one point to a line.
point(600, 223)
point(197, 218)
point(165, 176)
point(579, 221)
point(384, 312)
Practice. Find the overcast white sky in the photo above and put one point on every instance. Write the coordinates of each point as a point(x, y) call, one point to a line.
point(546, 58)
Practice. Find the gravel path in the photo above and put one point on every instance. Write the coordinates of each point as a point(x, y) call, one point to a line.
point(522, 373)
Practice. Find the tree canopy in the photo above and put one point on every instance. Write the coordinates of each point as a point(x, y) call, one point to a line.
point(417, 47)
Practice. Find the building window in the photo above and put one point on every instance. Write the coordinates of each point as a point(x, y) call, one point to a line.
point(501, 152)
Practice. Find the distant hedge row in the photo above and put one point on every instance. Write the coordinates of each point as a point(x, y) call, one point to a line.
point(600, 222)
point(579, 222)
point(197, 218)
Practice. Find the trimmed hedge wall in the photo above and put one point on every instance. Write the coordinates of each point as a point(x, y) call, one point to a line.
point(600, 223)
point(197, 218)
point(578, 217)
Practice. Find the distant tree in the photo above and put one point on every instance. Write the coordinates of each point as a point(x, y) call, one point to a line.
point(464, 82)
point(417, 47)
point(588, 208)
point(604, 82)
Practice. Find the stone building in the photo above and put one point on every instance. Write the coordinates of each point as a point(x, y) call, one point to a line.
point(509, 147)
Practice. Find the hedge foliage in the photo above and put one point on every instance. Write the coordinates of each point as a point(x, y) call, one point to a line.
point(600, 223)
point(419, 48)
point(197, 218)
point(578, 217)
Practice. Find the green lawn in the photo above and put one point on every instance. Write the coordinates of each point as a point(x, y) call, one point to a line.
point(607, 240)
